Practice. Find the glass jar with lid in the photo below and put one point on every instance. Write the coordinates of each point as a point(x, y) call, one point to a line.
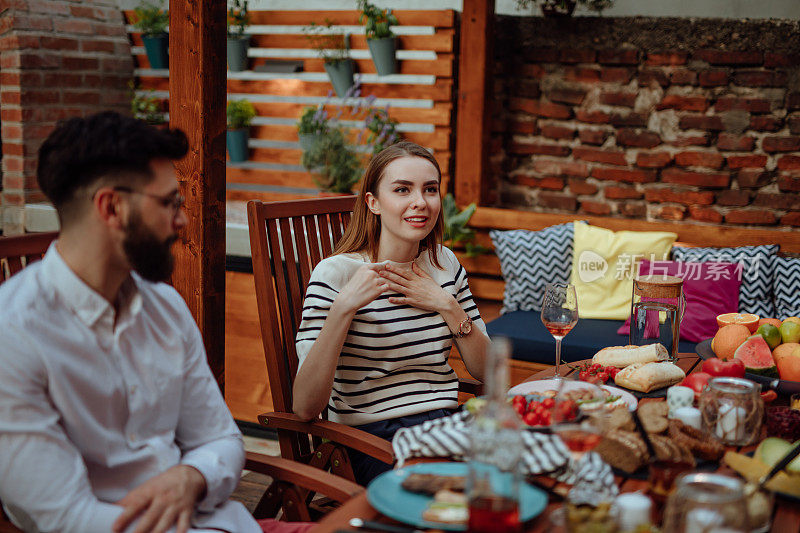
point(657, 306)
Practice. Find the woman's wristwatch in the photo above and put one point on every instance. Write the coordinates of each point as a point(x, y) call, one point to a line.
point(464, 328)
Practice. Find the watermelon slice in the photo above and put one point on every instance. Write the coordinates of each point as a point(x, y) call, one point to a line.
point(757, 357)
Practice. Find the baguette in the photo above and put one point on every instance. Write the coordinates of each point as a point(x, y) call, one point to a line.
point(622, 356)
point(644, 377)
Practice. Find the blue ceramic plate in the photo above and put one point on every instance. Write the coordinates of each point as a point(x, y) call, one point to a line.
point(387, 496)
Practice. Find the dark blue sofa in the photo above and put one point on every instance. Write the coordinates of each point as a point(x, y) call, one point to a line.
point(533, 343)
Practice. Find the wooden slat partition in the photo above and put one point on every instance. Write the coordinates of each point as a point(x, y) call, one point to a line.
point(421, 96)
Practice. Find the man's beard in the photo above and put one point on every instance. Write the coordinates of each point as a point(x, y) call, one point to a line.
point(150, 258)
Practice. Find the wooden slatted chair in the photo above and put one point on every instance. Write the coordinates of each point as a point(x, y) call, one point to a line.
point(287, 240)
point(18, 251)
point(292, 485)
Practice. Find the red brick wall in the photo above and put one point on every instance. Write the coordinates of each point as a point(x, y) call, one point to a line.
point(57, 59)
point(648, 126)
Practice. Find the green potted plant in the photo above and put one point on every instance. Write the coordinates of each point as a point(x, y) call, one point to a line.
point(335, 167)
point(564, 8)
point(455, 227)
point(333, 47)
point(380, 39)
point(152, 22)
point(240, 115)
point(313, 123)
point(238, 42)
point(146, 106)
point(381, 129)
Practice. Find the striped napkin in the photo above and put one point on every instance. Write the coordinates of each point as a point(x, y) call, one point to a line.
point(591, 477)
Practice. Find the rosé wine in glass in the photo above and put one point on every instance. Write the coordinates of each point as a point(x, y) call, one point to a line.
point(559, 314)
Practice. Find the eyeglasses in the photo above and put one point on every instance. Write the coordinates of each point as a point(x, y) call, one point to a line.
point(174, 201)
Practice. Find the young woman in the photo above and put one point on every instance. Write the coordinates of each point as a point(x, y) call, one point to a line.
point(380, 315)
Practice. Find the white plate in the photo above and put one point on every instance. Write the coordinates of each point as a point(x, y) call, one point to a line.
point(539, 386)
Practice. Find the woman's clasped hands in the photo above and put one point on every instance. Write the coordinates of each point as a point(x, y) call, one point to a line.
point(417, 287)
point(365, 285)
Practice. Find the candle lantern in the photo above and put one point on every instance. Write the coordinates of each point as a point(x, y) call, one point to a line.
point(704, 503)
point(732, 410)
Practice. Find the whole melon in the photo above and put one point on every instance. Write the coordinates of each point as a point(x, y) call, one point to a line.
point(757, 357)
point(784, 350)
point(773, 321)
point(728, 338)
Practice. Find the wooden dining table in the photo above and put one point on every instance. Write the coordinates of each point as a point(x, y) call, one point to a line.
point(786, 515)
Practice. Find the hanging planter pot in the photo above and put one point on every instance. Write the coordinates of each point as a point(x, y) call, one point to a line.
point(341, 75)
point(236, 141)
point(558, 8)
point(237, 53)
point(157, 49)
point(383, 55)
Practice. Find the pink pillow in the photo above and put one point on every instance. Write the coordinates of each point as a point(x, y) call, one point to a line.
point(710, 289)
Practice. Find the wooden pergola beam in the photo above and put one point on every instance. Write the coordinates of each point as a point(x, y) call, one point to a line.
point(475, 66)
point(197, 78)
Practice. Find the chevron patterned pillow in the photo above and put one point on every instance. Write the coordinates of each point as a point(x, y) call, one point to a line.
point(786, 286)
point(755, 292)
point(529, 260)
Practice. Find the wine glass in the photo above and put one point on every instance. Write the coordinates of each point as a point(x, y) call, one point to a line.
point(559, 314)
point(579, 415)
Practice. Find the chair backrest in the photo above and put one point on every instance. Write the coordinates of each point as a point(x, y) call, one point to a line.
point(287, 240)
point(18, 251)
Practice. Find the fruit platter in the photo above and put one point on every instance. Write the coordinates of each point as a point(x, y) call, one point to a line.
point(768, 348)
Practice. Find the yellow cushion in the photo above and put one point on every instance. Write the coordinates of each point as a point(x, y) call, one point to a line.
point(603, 264)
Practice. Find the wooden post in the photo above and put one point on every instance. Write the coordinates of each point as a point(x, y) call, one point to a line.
point(197, 78)
point(475, 66)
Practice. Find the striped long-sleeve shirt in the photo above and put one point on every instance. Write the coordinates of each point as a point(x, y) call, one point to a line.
point(394, 359)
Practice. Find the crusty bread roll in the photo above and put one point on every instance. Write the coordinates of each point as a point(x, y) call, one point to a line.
point(622, 356)
point(644, 377)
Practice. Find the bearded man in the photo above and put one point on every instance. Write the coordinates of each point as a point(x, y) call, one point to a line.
point(110, 419)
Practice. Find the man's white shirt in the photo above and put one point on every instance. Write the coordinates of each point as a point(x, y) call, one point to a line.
point(93, 405)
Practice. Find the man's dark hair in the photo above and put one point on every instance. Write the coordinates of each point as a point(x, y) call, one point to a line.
point(106, 146)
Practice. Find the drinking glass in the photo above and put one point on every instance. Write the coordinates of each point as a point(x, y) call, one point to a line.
point(579, 416)
point(559, 314)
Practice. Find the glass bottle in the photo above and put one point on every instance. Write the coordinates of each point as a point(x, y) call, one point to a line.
point(496, 450)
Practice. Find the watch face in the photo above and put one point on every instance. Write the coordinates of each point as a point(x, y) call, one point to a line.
point(466, 327)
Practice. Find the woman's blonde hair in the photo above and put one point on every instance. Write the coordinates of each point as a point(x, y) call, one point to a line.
point(364, 231)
